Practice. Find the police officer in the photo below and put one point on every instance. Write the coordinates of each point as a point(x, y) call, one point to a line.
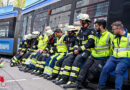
point(70, 41)
point(120, 59)
point(100, 53)
point(81, 51)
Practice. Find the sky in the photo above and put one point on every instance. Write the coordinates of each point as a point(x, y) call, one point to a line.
point(28, 2)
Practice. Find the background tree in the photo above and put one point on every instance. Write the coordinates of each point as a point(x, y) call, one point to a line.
point(19, 3)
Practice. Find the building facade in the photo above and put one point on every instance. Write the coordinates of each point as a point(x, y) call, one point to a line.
point(62, 12)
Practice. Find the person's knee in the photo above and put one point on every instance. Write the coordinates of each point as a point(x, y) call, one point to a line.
point(105, 69)
point(119, 71)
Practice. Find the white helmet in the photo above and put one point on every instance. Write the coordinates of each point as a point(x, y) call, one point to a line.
point(35, 34)
point(70, 28)
point(25, 37)
point(29, 36)
point(49, 32)
point(83, 17)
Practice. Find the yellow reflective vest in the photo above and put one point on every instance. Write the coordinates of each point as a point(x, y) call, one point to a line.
point(102, 45)
point(121, 46)
point(60, 45)
point(42, 41)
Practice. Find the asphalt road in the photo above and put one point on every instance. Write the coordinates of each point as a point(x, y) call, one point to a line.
point(17, 80)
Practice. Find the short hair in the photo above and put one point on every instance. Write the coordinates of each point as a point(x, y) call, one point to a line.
point(58, 30)
point(118, 24)
point(101, 22)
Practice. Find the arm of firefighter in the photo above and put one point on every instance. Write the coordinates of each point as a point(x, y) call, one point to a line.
point(89, 44)
point(76, 43)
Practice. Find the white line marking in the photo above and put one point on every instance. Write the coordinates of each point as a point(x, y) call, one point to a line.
point(16, 80)
point(21, 80)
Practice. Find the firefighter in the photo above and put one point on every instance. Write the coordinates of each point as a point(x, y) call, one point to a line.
point(33, 47)
point(21, 51)
point(100, 53)
point(41, 60)
point(70, 41)
point(61, 51)
point(120, 59)
point(82, 51)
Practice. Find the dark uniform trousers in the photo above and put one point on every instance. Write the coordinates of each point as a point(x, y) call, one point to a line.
point(91, 70)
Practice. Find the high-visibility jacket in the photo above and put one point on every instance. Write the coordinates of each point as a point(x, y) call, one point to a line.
point(121, 46)
point(102, 45)
point(42, 42)
point(60, 45)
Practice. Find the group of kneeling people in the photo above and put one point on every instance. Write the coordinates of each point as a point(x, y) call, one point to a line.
point(77, 58)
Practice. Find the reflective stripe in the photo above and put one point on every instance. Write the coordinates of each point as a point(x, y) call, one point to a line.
point(91, 36)
point(57, 68)
point(41, 66)
point(128, 41)
point(68, 67)
point(73, 74)
point(55, 71)
point(48, 70)
point(66, 73)
point(76, 46)
point(61, 72)
point(75, 69)
point(61, 45)
point(105, 46)
point(102, 50)
point(43, 62)
point(121, 49)
point(108, 38)
point(102, 46)
point(83, 47)
point(84, 42)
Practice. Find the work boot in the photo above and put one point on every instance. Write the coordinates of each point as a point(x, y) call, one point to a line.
point(34, 71)
point(55, 80)
point(30, 71)
point(60, 82)
point(26, 69)
point(51, 78)
point(68, 85)
point(38, 73)
point(79, 85)
point(21, 69)
point(45, 76)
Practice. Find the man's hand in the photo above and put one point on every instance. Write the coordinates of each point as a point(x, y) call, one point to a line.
point(76, 52)
point(48, 54)
point(41, 50)
point(22, 53)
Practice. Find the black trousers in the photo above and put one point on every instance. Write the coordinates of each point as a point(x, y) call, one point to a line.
point(91, 70)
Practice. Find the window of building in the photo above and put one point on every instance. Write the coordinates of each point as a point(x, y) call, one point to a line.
point(101, 9)
point(82, 3)
point(61, 9)
point(39, 21)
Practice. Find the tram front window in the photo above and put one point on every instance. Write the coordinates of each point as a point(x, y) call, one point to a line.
point(4, 29)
